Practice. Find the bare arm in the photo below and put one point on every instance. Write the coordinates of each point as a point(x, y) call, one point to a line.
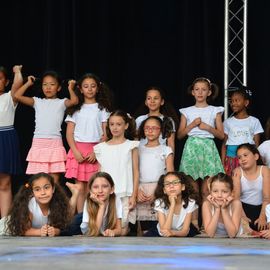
point(210, 221)
point(135, 171)
point(170, 163)
point(115, 232)
point(17, 82)
point(165, 222)
point(71, 141)
point(266, 198)
point(104, 136)
point(232, 223)
point(256, 139)
point(171, 141)
point(223, 149)
point(186, 227)
point(217, 131)
point(19, 95)
point(73, 100)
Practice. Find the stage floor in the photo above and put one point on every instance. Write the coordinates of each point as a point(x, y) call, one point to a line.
point(133, 253)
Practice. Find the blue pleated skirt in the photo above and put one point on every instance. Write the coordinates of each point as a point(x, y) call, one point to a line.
point(10, 162)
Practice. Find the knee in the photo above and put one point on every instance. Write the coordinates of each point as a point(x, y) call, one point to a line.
point(5, 185)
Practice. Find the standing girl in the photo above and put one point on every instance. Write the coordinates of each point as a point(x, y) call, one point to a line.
point(102, 209)
point(202, 123)
point(159, 158)
point(252, 185)
point(9, 146)
point(119, 157)
point(47, 153)
point(221, 213)
point(86, 124)
point(155, 105)
point(264, 148)
point(41, 208)
point(175, 202)
point(240, 128)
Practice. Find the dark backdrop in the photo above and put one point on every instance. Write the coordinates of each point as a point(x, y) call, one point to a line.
point(130, 44)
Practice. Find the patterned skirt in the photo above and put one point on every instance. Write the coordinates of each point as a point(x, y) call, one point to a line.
point(10, 162)
point(145, 210)
point(200, 158)
point(46, 155)
point(81, 171)
point(230, 164)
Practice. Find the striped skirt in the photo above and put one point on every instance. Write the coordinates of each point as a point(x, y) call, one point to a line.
point(10, 162)
point(46, 155)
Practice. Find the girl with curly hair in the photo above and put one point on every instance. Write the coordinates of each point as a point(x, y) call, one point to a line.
point(41, 208)
point(175, 202)
point(86, 124)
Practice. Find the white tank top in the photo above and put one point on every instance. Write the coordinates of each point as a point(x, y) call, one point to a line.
point(251, 190)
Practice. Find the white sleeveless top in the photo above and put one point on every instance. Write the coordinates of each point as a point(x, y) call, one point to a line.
point(251, 190)
point(38, 218)
point(221, 230)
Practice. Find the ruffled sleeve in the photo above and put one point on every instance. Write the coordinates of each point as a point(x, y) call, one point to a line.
point(159, 206)
point(183, 111)
point(98, 150)
point(134, 144)
point(219, 109)
point(70, 118)
point(104, 115)
point(192, 206)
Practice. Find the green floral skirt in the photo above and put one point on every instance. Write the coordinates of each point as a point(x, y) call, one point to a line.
point(200, 158)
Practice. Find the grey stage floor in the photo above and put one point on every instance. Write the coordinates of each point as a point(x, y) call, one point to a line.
point(133, 253)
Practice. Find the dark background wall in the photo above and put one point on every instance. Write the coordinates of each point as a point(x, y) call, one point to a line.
point(130, 44)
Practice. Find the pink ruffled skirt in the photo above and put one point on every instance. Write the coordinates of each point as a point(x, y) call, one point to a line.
point(81, 171)
point(46, 155)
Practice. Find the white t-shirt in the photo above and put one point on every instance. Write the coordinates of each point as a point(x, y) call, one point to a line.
point(178, 220)
point(139, 121)
point(38, 218)
point(207, 114)
point(88, 123)
point(152, 162)
point(264, 150)
point(241, 131)
point(7, 110)
point(49, 114)
point(116, 159)
point(85, 219)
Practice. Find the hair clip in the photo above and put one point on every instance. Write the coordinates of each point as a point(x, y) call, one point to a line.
point(129, 116)
point(248, 92)
point(26, 185)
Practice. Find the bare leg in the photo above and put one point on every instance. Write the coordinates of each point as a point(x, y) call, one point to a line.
point(82, 195)
point(205, 189)
point(5, 194)
point(56, 177)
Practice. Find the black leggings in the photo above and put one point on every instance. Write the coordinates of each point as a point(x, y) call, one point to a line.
point(253, 213)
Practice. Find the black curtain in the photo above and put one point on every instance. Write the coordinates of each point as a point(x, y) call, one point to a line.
point(130, 45)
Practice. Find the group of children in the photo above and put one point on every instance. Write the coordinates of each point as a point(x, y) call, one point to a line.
point(123, 169)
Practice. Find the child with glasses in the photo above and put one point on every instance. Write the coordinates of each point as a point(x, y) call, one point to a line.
point(175, 202)
point(159, 158)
